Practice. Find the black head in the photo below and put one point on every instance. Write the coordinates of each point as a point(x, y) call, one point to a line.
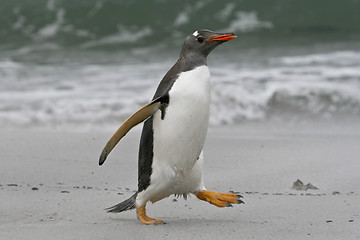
point(202, 42)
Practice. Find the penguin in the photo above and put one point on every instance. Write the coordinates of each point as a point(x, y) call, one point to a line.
point(170, 159)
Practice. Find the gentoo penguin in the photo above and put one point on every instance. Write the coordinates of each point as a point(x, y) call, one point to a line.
point(176, 122)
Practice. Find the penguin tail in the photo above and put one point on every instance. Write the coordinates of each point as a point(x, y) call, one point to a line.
point(128, 204)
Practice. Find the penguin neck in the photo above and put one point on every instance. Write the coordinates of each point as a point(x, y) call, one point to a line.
point(190, 60)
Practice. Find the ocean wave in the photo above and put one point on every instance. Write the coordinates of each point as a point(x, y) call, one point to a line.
point(106, 94)
point(276, 99)
point(125, 35)
point(333, 58)
point(317, 85)
point(246, 22)
point(51, 29)
point(184, 16)
point(97, 21)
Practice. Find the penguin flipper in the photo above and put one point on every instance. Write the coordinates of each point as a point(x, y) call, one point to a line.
point(139, 116)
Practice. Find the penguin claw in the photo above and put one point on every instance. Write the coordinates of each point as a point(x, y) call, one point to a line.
point(239, 200)
point(219, 199)
point(237, 194)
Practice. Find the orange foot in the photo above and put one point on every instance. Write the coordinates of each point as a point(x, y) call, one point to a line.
point(141, 215)
point(219, 199)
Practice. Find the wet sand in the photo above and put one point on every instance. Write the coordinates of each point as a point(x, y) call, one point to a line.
point(52, 186)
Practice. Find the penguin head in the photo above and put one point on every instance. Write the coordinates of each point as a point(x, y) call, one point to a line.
point(202, 42)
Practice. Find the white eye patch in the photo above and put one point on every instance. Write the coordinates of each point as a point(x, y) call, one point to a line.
point(196, 33)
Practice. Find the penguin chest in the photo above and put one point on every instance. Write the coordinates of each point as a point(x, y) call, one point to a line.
point(179, 137)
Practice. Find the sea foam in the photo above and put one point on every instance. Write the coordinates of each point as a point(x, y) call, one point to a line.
point(106, 94)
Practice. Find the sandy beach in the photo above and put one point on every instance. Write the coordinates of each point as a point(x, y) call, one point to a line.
point(51, 186)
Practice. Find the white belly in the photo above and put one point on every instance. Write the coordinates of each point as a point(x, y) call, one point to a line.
point(179, 138)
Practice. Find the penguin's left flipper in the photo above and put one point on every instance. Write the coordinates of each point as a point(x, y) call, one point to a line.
point(219, 199)
point(141, 115)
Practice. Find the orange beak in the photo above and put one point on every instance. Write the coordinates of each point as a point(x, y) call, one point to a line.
point(224, 38)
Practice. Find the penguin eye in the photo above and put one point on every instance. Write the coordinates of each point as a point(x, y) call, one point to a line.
point(200, 39)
